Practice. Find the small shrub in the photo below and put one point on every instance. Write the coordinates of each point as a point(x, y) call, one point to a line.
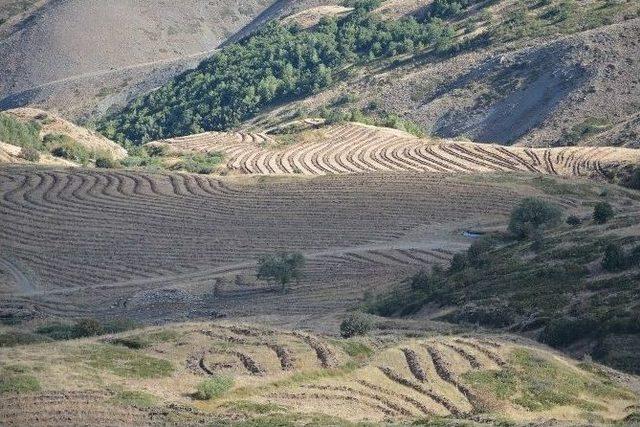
point(57, 331)
point(213, 387)
point(355, 324)
point(67, 148)
point(30, 154)
point(156, 150)
point(574, 221)
point(602, 213)
point(88, 328)
point(106, 162)
point(532, 214)
point(458, 263)
point(614, 258)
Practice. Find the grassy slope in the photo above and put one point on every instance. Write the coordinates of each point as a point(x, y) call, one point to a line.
point(156, 379)
point(558, 292)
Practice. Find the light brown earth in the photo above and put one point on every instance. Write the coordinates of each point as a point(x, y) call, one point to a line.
point(356, 148)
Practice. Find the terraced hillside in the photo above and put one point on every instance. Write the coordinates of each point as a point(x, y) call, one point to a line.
point(86, 237)
point(149, 377)
point(354, 148)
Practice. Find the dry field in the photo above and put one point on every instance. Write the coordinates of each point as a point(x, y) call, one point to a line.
point(280, 373)
point(354, 148)
point(76, 242)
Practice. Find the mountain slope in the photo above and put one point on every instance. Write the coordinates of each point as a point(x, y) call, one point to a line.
point(73, 68)
point(503, 72)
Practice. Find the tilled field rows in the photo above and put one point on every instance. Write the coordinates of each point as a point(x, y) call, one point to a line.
point(69, 229)
point(353, 148)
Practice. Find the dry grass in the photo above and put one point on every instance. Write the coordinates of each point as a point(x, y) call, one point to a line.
point(460, 377)
point(355, 148)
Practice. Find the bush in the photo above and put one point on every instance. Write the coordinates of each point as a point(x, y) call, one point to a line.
point(13, 131)
point(88, 328)
point(67, 148)
point(614, 258)
point(574, 221)
point(428, 282)
point(106, 162)
point(532, 214)
point(458, 263)
point(213, 387)
point(30, 154)
point(355, 324)
point(602, 213)
point(63, 331)
point(156, 150)
point(562, 332)
point(199, 163)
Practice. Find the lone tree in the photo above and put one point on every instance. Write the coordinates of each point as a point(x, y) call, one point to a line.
point(281, 268)
point(533, 215)
point(603, 212)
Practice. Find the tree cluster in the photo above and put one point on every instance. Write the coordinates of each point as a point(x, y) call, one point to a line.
point(275, 64)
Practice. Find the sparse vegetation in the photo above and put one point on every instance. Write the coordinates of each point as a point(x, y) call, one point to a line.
point(355, 324)
point(30, 154)
point(15, 132)
point(603, 212)
point(213, 387)
point(125, 362)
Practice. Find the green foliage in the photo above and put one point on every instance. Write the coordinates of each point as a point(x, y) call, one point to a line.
point(64, 146)
point(574, 221)
point(614, 258)
point(30, 154)
point(281, 268)
point(125, 362)
point(539, 384)
point(588, 127)
point(199, 163)
point(448, 8)
point(14, 338)
point(562, 332)
point(13, 131)
point(273, 65)
point(18, 384)
point(602, 213)
point(392, 121)
point(355, 324)
point(138, 399)
point(356, 349)
point(533, 214)
point(213, 387)
point(82, 328)
point(106, 162)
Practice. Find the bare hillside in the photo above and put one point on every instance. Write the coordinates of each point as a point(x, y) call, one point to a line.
point(537, 82)
point(73, 68)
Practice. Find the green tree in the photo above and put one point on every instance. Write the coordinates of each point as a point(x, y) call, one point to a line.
point(531, 215)
point(602, 213)
point(281, 268)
